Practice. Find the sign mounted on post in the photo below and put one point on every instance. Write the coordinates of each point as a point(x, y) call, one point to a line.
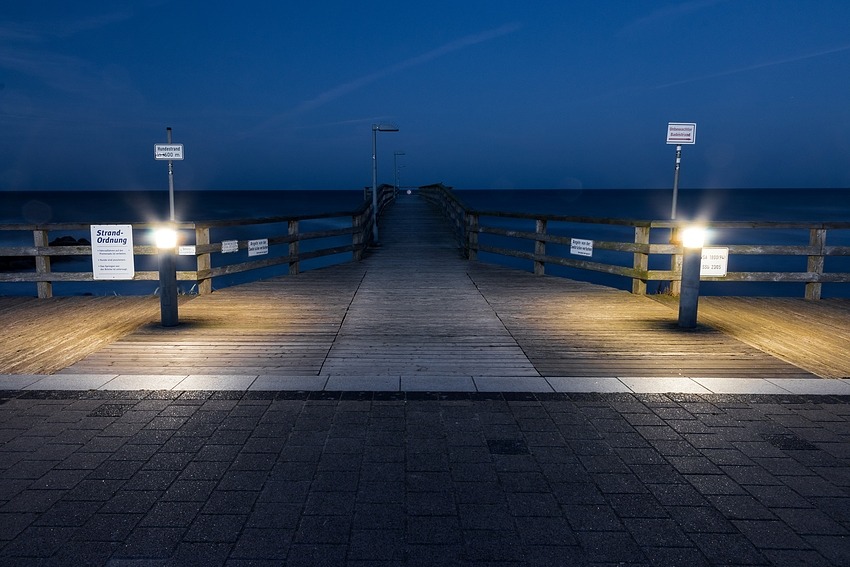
point(168, 151)
point(714, 262)
point(681, 133)
point(258, 247)
point(112, 252)
point(581, 247)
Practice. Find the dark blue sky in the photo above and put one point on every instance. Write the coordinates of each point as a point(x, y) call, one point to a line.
point(487, 94)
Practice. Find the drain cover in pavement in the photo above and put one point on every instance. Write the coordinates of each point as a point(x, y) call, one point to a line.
point(788, 442)
point(507, 447)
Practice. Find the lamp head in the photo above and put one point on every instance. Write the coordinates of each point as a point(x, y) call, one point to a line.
point(384, 128)
point(693, 237)
point(166, 238)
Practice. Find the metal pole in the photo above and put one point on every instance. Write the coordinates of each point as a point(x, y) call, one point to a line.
point(374, 185)
point(689, 297)
point(676, 180)
point(170, 180)
point(168, 288)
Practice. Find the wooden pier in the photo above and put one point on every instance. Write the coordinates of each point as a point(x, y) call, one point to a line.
point(413, 308)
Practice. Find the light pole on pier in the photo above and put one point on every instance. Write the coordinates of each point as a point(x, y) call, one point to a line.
point(395, 167)
point(375, 129)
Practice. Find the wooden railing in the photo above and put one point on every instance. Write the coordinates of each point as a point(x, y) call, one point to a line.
point(636, 241)
point(352, 236)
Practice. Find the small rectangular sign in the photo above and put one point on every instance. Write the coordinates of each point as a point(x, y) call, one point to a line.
point(168, 151)
point(186, 250)
point(258, 247)
point(714, 262)
point(581, 247)
point(112, 252)
point(228, 246)
point(681, 133)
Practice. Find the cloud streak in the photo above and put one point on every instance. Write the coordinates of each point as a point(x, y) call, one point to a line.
point(343, 89)
point(754, 67)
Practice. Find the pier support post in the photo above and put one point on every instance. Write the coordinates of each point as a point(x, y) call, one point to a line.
point(540, 248)
point(692, 241)
point(166, 241)
point(294, 264)
point(814, 264)
point(42, 264)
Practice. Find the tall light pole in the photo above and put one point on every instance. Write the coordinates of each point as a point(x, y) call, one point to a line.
point(395, 167)
point(375, 129)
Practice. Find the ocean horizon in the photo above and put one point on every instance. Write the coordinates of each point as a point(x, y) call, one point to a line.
point(758, 205)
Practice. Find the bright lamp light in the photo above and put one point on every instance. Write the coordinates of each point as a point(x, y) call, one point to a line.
point(166, 238)
point(693, 237)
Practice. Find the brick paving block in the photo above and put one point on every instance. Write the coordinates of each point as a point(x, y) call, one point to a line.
point(171, 514)
point(491, 546)
point(770, 534)
point(610, 547)
point(201, 554)
point(668, 556)
point(151, 480)
point(533, 504)
point(778, 496)
point(440, 530)
point(329, 504)
point(85, 553)
point(107, 527)
point(132, 501)
point(32, 501)
point(381, 492)
point(377, 545)
point(485, 492)
point(323, 530)
point(36, 542)
point(149, 543)
point(728, 549)
point(68, 514)
point(13, 523)
point(189, 490)
point(740, 507)
point(545, 530)
point(657, 532)
point(700, 519)
point(431, 504)
point(223, 528)
point(312, 555)
point(811, 522)
point(274, 515)
point(485, 517)
point(677, 494)
point(389, 516)
point(592, 518)
point(714, 484)
point(262, 543)
point(471, 472)
point(836, 548)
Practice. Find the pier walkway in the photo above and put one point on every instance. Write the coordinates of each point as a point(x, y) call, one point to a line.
point(415, 316)
point(415, 409)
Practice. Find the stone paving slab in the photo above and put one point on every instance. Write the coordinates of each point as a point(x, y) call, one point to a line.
point(257, 477)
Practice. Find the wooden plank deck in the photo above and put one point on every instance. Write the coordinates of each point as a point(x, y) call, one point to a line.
point(412, 308)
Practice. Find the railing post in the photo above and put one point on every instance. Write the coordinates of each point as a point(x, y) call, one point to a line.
point(540, 248)
point(357, 237)
point(294, 264)
point(203, 262)
point(472, 236)
point(42, 264)
point(676, 263)
point(814, 264)
point(641, 260)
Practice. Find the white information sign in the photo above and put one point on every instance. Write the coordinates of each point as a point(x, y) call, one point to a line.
point(581, 247)
point(188, 250)
point(168, 151)
point(681, 133)
point(228, 246)
point(112, 252)
point(714, 262)
point(258, 247)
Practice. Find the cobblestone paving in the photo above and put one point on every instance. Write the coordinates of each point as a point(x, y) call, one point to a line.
point(345, 478)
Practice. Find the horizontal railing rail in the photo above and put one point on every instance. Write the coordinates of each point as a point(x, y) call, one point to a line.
point(639, 246)
point(202, 241)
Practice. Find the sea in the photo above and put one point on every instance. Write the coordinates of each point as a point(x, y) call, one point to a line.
point(117, 207)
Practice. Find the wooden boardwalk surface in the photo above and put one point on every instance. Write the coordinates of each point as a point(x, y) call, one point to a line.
point(414, 308)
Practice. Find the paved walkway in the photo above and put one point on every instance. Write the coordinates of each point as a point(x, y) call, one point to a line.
point(368, 479)
point(553, 462)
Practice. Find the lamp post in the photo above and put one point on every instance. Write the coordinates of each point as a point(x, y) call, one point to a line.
point(166, 242)
point(395, 168)
point(693, 239)
point(375, 129)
